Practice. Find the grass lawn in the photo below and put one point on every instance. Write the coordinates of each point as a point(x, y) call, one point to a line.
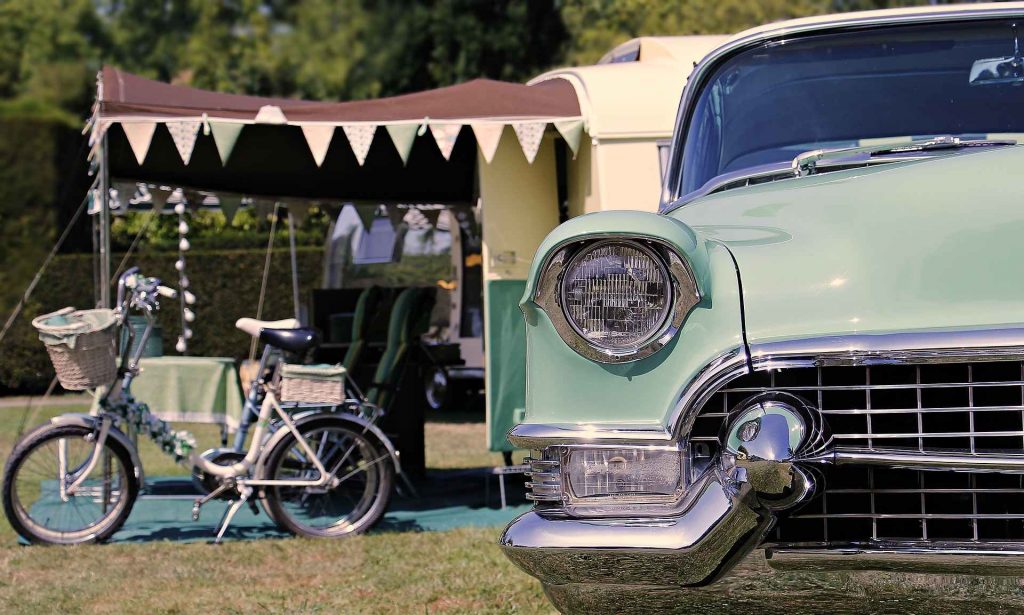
point(460, 571)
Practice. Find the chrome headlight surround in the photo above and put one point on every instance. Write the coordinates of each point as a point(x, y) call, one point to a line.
point(684, 295)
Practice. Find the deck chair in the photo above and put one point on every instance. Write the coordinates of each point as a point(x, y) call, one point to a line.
point(410, 318)
point(366, 308)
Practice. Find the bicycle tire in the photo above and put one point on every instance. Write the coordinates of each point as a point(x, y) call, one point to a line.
point(21, 519)
point(273, 497)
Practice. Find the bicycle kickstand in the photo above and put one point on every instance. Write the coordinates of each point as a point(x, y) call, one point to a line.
point(244, 492)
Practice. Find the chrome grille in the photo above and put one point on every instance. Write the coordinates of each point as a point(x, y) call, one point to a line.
point(928, 407)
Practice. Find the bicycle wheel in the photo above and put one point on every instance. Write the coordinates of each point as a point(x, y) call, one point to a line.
point(352, 503)
point(37, 501)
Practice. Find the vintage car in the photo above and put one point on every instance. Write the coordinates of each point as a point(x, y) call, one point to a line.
point(815, 351)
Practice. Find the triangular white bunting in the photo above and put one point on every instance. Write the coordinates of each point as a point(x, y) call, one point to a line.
point(403, 136)
point(488, 134)
point(360, 136)
point(184, 134)
point(445, 135)
point(318, 138)
point(229, 204)
point(225, 134)
point(140, 135)
point(270, 114)
point(571, 131)
point(530, 135)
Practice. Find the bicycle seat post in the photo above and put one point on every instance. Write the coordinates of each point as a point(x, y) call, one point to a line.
point(252, 405)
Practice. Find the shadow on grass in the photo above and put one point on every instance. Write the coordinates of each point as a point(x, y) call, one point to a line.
point(445, 500)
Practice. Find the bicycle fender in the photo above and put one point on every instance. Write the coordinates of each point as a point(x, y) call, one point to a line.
point(93, 422)
point(356, 422)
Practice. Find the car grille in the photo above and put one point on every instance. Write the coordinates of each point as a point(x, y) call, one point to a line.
point(974, 407)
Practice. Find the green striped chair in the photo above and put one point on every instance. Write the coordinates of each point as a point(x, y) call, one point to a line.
point(366, 308)
point(410, 318)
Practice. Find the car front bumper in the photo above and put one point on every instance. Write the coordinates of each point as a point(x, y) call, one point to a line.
point(695, 547)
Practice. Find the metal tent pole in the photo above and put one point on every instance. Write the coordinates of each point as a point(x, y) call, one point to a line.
point(104, 224)
point(295, 264)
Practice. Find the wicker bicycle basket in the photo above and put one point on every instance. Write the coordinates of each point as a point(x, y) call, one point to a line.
point(82, 346)
point(312, 384)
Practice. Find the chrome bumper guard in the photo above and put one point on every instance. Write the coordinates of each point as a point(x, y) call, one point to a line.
point(721, 525)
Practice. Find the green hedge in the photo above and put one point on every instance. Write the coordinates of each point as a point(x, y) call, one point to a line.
point(226, 284)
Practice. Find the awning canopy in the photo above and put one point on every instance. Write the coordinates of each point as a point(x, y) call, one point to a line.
point(410, 148)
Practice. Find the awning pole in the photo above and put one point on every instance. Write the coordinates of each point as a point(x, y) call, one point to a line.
point(104, 277)
point(295, 263)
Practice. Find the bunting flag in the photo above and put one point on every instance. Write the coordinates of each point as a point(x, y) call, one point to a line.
point(572, 132)
point(432, 215)
point(140, 135)
point(395, 214)
point(360, 137)
point(366, 214)
point(488, 135)
point(403, 136)
point(158, 196)
point(318, 138)
point(229, 205)
point(270, 114)
point(263, 207)
point(184, 134)
point(125, 193)
point(445, 135)
point(225, 134)
point(530, 135)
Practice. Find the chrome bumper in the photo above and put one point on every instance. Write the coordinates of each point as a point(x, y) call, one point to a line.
point(715, 532)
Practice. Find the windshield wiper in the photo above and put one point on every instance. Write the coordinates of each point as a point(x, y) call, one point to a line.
point(807, 162)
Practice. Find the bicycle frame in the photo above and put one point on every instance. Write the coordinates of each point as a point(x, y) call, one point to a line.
point(236, 472)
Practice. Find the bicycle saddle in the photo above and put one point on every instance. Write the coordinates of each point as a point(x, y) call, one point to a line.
point(292, 340)
point(253, 326)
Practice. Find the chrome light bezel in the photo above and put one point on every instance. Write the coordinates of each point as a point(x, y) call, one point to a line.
point(558, 495)
point(683, 289)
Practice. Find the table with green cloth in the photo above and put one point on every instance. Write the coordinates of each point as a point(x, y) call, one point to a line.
point(191, 389)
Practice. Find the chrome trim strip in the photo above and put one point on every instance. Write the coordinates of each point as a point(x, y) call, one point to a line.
point(538, 436)
point(961, 461)
point(977, 558)
point(671, 199)
point(941, 346)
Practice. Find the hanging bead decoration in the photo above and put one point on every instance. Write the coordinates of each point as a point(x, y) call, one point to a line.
point(186, 297)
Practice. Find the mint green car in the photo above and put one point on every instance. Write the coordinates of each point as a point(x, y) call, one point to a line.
point(815, 351)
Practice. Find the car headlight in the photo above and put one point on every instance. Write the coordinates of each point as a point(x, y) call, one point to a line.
point(616, 300)
point(616, 295)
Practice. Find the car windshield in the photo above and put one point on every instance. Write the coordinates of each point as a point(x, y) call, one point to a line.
point(769, 104)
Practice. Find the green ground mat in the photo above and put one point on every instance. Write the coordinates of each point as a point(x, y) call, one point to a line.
point(445, 500)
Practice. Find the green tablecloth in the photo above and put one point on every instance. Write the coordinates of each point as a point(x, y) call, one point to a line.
point(191, 389)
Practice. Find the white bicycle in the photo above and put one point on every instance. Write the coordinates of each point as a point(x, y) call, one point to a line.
point(75, 479)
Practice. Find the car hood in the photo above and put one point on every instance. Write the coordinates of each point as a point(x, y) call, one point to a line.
point(930, 244)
